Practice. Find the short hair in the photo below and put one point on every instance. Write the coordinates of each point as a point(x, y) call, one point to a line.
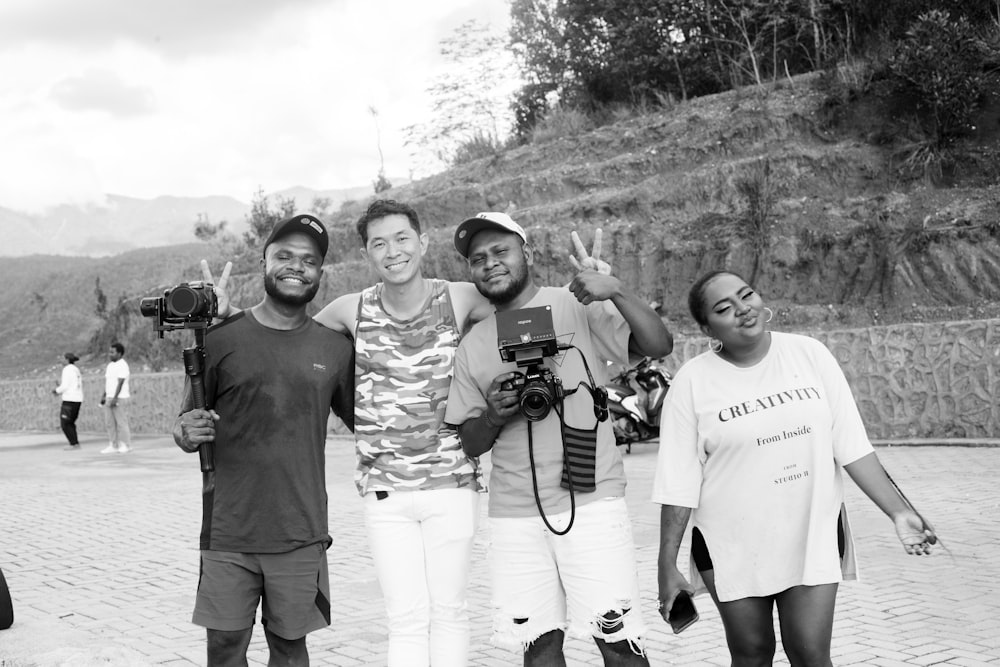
point(381, 208)
point(696, 296)
point(118, 346)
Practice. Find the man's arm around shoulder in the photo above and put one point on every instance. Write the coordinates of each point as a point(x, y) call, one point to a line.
point(470, 306)
point(341, 314)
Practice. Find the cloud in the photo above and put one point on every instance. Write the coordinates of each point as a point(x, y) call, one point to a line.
point(192, 97)
point(101, 90)
point(172, 27)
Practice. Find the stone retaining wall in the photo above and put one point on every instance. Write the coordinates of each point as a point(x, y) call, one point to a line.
point(933, 380)
point(29, 405)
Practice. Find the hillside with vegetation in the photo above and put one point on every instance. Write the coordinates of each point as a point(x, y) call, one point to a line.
point(846, 196)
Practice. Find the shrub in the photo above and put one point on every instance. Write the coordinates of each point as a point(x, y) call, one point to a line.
point(530, 104)
point(757, 188)
point(562, 122)
point(940, 61)
point(480, 144)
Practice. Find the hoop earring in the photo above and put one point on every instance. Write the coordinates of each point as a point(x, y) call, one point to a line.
point(715, 345)
point(770, 314)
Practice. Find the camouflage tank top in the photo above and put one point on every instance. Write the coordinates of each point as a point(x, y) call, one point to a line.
point(402, 376)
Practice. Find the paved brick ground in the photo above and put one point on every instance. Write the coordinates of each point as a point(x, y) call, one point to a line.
point(100, 552)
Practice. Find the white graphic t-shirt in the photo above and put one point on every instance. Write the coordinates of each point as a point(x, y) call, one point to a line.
point(757, 452)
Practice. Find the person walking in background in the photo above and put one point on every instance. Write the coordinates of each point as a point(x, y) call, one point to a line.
point(272, 375)
point(753, 436)
point(71, 389)
point(115, 399)
point(582, 578)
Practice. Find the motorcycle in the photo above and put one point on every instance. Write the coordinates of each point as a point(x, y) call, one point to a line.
point(635, 397)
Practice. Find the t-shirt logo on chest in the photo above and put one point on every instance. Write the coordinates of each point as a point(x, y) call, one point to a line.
point(767, 402)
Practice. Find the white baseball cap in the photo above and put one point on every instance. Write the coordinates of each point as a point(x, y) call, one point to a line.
point(486, 220)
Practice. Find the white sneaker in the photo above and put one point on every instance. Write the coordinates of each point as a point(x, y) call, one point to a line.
point(110, 449)
point(123, 448)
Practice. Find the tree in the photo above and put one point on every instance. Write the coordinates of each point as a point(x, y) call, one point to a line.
point(321, 207)
point(940, 62)
point(586, 54)
point(206, 230)
point(101, 306)
point(381, 183)
point(592, 53)
point(471, 99)
point(262, 217)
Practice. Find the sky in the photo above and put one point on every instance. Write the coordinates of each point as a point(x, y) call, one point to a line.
point(144, 98)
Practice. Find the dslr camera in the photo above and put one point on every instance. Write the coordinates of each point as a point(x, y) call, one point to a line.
point(186, 306)
point(526, 337)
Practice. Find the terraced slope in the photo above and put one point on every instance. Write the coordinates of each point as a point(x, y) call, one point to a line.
point(817, 212)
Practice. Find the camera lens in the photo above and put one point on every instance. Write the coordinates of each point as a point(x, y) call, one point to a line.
point(184, 301)
point(535, 401)
point(149, 306)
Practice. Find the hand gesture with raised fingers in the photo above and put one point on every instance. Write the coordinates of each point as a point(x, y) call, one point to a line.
point(220, 287)
point(584, 260)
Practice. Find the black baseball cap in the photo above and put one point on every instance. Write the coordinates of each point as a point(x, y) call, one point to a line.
point(304, 223)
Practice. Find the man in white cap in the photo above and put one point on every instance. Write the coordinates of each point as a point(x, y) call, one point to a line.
point(560, 558)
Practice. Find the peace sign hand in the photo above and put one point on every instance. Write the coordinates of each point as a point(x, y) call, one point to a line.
point(220, 287)
point(591, 261)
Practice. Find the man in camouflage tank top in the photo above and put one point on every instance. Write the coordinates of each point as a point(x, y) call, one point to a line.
point(420, 490)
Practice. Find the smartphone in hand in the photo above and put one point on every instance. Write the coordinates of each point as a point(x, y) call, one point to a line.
point(682, 613)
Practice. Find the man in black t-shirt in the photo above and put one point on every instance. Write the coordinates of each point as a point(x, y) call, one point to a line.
point(272, 374)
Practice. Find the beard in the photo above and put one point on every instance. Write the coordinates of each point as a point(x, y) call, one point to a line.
point(273, 290)
point(500, 295)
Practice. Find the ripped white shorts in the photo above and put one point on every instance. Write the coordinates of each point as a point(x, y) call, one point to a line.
point(584, 582)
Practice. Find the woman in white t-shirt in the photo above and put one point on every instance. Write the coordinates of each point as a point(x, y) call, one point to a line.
point(753, 436)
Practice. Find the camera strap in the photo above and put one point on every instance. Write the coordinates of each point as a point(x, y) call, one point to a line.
point(534, 484)
point(579, 448)
point(598, 393)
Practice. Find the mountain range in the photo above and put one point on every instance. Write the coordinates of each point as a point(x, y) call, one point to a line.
point(119, 223)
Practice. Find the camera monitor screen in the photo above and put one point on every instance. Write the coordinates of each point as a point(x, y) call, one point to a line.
point(526, 335)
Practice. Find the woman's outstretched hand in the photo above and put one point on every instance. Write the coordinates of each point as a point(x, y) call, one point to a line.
point(914, 533)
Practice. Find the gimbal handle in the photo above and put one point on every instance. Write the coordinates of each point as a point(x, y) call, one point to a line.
point(194, 364)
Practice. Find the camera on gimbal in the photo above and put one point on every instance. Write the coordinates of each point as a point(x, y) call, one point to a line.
point(189, 306)
point(186, 306)
point(526, 337)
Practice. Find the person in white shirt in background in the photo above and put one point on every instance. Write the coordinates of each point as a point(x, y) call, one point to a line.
point(71, 389)
point(115, 400)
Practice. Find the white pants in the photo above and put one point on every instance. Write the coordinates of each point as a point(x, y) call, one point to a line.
point(116, 421)
point(421, 542)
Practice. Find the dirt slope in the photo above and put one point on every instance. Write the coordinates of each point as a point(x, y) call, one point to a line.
point(843, 235)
